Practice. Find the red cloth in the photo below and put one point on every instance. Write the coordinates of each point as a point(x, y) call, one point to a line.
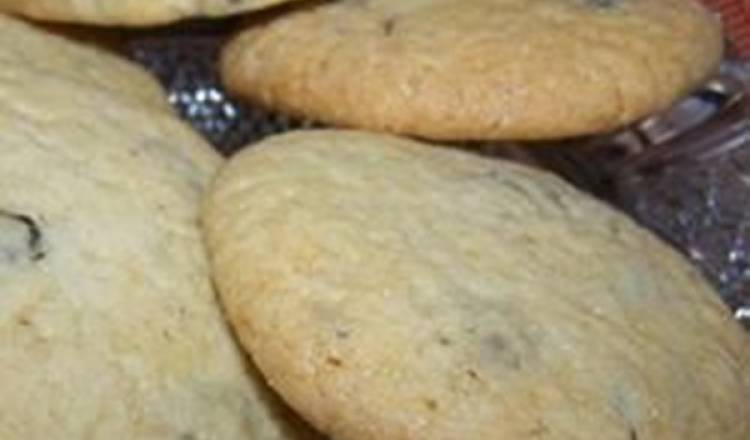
point(735, 15)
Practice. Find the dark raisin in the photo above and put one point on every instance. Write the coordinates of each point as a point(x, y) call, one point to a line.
point(444, 341)
point(34, 240)
point(334, 361)
point(431, 404)
point(603, 4)
point(389, 25)
point(472, 374)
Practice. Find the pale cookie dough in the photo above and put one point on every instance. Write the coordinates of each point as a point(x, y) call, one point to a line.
point(477, 69)
point(390, 290)
point(130, 12)
point(28, 56)
point(109, 328)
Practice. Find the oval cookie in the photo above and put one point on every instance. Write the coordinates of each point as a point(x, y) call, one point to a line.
point(390, 290)
point(130, 12)
point(477, 69)
point(109, 328)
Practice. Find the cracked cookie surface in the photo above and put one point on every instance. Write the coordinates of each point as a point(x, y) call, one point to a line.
point(477, 69)
point(391, 290)
point(109, 327)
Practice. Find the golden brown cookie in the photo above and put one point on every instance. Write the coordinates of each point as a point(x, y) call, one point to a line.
point(109, 327)
point(477, 69)
point(390, 290)
point(130, 12)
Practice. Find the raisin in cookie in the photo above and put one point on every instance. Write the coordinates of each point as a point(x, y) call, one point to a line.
point(109, 328)
point(130, 12)
point(390, 290)
point(477, 69)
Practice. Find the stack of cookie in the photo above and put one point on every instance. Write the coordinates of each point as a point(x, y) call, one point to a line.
point(384, 287)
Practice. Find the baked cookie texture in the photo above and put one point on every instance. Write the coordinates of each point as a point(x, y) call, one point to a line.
point(28, 56)
point(130, 12)
point(477, 69)
point(390, 290)
point(109, 327)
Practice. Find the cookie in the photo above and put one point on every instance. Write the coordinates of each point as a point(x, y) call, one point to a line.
point(27, 55)
point(477, 69)
point(130, 12)
point(109, 326)
point(390, 290)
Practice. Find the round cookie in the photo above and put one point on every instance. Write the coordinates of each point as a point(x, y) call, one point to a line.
point(477, 69)
point(390, 290)
point(130, 12)
point(109, 326)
